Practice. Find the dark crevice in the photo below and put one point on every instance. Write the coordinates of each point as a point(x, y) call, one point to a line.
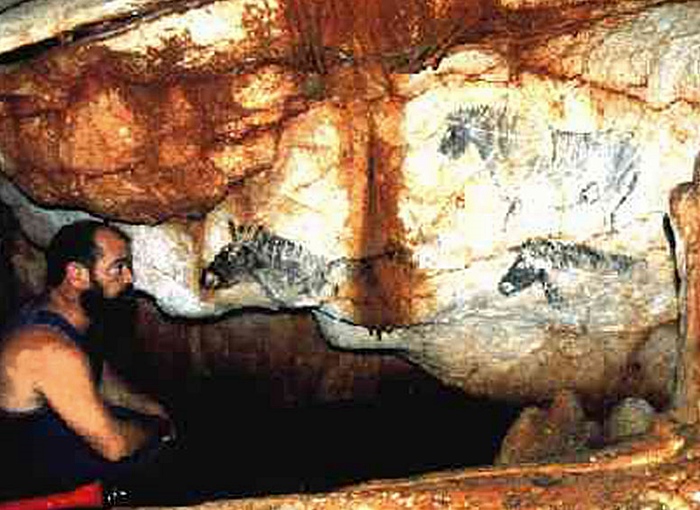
point(8, 284)
point(227, 416)
point(671, 238)
point(29, 51)
point(13, 6)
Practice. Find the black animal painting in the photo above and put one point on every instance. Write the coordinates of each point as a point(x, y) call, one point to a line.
point(537, 259)
point(284, 269)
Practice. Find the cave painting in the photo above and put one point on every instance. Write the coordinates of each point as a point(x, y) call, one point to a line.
point(483, 188)
point(595, 167)
point(538, 258)
point(285, 271)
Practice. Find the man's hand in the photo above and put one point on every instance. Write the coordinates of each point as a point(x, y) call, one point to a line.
point(151, 408)
point(119, 393)
point(165, 428)
point(136, 434)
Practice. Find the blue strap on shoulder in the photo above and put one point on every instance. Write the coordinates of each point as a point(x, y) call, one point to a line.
point(38, 316)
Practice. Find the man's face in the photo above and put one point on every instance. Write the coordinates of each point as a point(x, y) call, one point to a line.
point(111, 277)
point(112, 271)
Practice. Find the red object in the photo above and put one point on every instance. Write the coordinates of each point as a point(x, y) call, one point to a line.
point(85, 496)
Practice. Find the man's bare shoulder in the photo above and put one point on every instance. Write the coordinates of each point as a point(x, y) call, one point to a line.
point(39, 343)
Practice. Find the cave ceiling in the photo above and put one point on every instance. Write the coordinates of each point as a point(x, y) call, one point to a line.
point(482, 186)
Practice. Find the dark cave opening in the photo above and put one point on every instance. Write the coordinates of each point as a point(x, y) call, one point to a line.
point(239, 438)
point(254, 450)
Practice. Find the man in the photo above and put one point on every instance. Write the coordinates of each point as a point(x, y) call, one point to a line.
point(53, 417)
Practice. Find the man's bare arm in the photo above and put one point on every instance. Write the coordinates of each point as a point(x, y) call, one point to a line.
point(63, 377)
point(118, 392)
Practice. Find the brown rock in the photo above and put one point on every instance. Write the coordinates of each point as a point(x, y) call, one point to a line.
point(629, 418)
point(685, 208)
point(144, 103)
point(560, 432)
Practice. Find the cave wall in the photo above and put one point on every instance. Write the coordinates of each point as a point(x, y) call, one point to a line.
point(273, 360)
point(481, 187)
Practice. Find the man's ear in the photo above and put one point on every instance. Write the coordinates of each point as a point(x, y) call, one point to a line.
point(78, 275)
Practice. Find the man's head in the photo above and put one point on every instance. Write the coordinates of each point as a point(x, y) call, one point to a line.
point(91, 257)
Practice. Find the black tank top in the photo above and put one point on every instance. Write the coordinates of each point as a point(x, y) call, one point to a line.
point(42, 450)
point(35, 314)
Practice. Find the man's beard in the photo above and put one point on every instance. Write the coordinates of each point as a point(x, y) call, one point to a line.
point(109, 317)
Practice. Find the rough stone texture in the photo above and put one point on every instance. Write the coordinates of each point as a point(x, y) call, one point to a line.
point(685, 207)
point(558, 433)
point(482, 186)
point(271, 361)
point(631, 417)
point(33, 21)
point(562, 432)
